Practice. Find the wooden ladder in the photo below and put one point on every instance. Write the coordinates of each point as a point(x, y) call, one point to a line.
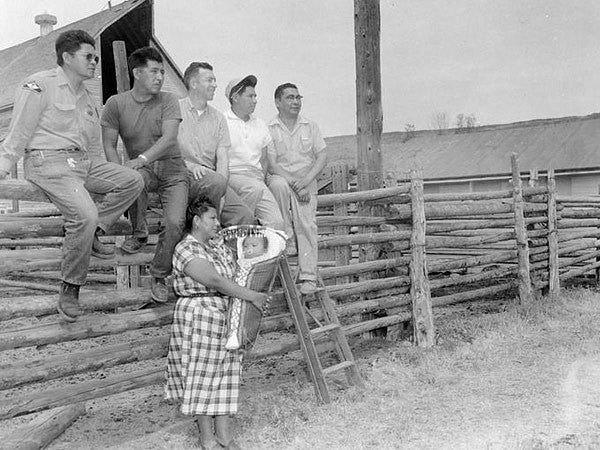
point(329, 328)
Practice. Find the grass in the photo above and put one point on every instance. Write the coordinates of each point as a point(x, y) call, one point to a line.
point(493, 381)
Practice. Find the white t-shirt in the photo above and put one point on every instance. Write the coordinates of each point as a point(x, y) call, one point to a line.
point(247, 142)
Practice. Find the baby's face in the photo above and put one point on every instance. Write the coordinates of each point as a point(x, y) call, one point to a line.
point(253, 246)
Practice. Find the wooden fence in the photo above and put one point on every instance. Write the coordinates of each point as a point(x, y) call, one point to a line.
point(421, 253)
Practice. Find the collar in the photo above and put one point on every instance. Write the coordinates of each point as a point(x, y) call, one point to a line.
point(187, 103)
point(276, 121)
point(232, 116)
point(63, 80)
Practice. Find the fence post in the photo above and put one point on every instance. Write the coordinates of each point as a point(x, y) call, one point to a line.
point(339, 181)
point(553, 274)
point(420, 292)
point(14, 173)
point(525, 289)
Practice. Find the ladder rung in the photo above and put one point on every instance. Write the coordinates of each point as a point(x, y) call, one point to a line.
point(336, 368)
point(324, 329)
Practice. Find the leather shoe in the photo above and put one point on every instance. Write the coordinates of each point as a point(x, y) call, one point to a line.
point(101, 250)
point(68, 302)
point(159, 290)
point(133, 244)
point(308, 287)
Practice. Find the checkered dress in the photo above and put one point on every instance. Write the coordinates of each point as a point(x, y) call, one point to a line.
point(201, 373)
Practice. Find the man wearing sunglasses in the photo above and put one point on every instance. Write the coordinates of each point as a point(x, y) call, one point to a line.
point(56, 126)
point(147, 120)
point(296, 158)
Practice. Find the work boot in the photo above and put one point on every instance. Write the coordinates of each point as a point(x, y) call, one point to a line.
point(99, 249)
point(68, 302)
point(134, 244)
point(159, 290)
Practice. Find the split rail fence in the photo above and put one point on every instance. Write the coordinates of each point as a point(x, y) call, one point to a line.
point(419, 253)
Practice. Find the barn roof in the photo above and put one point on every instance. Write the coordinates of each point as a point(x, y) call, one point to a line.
point(38, 54)
point(561, 143)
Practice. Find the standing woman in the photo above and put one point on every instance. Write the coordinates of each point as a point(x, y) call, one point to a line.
point(201, 373)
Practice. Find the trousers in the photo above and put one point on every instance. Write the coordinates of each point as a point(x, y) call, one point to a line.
point(214, 186)
point(300, 219)
point(68, 178)
point(167, 177)
point(256, 195)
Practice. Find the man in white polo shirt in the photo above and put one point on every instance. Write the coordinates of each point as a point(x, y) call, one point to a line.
point(250, 138)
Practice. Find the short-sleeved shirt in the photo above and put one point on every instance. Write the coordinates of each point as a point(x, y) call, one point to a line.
point(297, 150)
point(201, 134)
point(140, 123)
point(248, 138)
point(49, 114)
point(215, 252)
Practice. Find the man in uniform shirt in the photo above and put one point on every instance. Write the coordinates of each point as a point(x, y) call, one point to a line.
point(248, 154)
point(295, 160)
point(148, 120)
point(204, 142)
point(55, 123)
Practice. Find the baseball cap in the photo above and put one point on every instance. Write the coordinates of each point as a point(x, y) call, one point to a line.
point(237, 84)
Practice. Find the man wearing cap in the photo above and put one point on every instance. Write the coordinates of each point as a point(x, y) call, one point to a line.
point(204, 142)
point(147, 120)
point(248, 153)
point(296, 158)
point(55, 124)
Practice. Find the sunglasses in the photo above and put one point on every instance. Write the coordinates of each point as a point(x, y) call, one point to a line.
point(90, 57)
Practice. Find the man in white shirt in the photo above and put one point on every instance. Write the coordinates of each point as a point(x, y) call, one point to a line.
point(250, 138)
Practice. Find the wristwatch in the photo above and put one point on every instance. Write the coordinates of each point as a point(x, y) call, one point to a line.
point(143, 157)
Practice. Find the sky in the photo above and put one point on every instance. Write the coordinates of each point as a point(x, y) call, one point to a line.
point(501, 61)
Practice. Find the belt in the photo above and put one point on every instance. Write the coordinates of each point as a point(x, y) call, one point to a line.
point(49, 151)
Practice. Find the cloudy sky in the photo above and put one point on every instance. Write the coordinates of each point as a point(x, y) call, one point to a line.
point(502, 61)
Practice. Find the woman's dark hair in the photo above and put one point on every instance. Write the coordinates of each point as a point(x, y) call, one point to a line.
point(198, 207)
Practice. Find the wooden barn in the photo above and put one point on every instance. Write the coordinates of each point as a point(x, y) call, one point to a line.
point(131, 21)
point(477, 159)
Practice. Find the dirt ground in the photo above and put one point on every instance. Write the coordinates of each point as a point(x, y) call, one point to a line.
point(500, 377)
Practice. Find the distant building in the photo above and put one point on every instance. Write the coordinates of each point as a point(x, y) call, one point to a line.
point(479, 159)
point(131, 21)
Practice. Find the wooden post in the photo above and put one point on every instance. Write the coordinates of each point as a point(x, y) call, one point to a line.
point(339, 178)
point(121, 70)
point(533, 177)
point(553, 274)
point(369, 114)
point(525, 289)
point(420, 292)
point(14, 174)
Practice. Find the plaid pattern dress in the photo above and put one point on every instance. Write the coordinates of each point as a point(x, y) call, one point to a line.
point(201, 373)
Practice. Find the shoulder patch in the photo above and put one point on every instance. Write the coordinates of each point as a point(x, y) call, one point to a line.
point(32, 86)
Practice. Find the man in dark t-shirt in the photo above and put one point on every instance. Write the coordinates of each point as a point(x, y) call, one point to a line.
point(148, 121)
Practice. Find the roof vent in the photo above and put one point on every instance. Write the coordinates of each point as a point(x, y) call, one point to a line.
point(46, 23)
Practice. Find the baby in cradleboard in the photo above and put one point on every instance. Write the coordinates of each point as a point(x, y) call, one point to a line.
point(252, 249)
